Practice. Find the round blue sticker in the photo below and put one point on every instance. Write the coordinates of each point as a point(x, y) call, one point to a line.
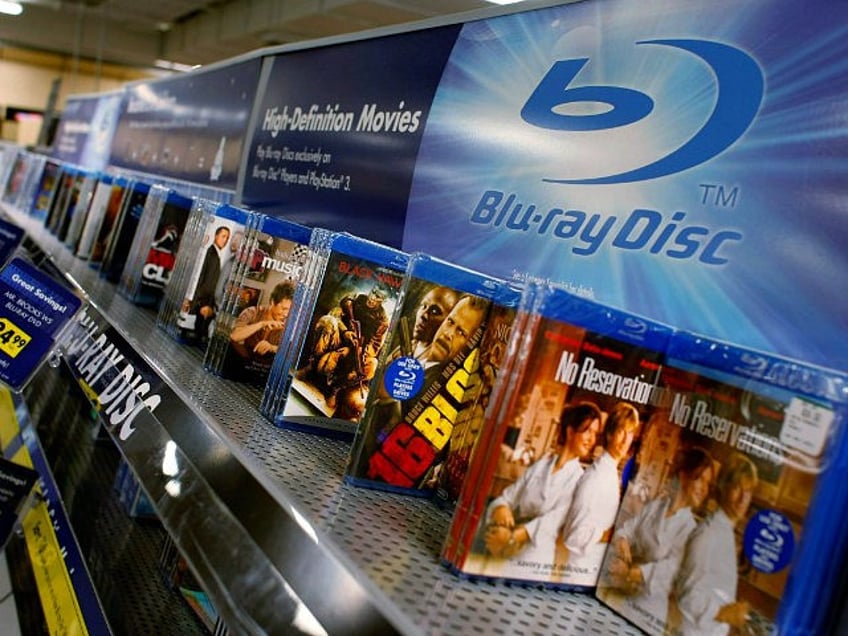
point(404, 378)
point(769, 541)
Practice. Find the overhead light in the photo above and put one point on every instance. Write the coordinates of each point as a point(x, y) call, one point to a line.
point(168, 65)
point(11, 8)
point(504, 1)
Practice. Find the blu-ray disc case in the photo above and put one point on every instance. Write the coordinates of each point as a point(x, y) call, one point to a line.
point(145, 281)
point(101, 215)
point(45, 192)
point(539, 504)
point(74, 219)
point(114, 258)
point(343, 336)
point(198, 216)
point(112, 218)
point(23, 178)
point(74, 198)
point(203, 294)
point(276, 388)
point(723, 506)
point(422, 380)
point(260, 297)
point(64, 189)
point(484, 371)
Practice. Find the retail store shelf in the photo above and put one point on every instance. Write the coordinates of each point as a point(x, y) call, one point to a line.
point(264, 518)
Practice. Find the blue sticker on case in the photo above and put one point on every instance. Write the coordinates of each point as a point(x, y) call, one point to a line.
point(404, 378)
point(769, 541)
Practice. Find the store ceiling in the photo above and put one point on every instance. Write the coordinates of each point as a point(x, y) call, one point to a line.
point(139, 32)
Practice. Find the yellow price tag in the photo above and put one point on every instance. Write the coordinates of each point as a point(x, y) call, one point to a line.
point(13, 339)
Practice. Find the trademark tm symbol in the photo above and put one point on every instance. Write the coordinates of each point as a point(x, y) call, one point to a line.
point(718, 195)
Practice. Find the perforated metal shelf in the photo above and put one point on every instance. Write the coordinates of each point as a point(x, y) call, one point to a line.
point(388, 542)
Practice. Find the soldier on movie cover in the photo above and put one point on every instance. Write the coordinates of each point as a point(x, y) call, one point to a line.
point(346, 338)
point(347, 342)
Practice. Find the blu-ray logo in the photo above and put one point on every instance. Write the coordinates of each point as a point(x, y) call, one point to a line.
point(635, 327)
point(739, 93)
point(752, 364)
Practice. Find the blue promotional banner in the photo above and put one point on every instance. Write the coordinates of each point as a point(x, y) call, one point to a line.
point(85, 131)
point(656, 156)
point(74, 127)
point(189, 127)
point(338, 132)
point(33, 310)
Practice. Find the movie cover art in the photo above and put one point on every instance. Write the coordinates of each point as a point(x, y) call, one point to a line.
point(162, 253)
point(16, 178)
point(471, 416)
point(81, 198)
point(203, 297)
point(77, 203)
point(712, 519)
point(346, 335)
point(45, 192)
point(260, 306)
point(124, 233)
point(279, 377)
point(110, 220)
point(422, 382)
point(553, 475)
point(58, 206)
point(93, 217)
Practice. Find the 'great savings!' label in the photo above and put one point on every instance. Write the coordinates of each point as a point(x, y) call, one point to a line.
point(33, 309)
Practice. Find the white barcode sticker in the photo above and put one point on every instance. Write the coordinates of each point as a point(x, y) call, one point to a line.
point(806, 426)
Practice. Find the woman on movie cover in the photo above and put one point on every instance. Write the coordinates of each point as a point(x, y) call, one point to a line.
point(522, 522)
point(647, 549)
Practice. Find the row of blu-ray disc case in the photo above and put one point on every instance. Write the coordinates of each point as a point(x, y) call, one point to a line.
point(308, 314)
point(692, 485)
point(125, 228)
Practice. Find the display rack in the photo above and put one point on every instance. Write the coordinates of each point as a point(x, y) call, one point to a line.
point(120, 552)
point(265, 521)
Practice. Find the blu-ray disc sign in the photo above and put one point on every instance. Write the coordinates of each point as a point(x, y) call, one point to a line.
point(653, 158)
point(339, 152)
point(737, 75)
